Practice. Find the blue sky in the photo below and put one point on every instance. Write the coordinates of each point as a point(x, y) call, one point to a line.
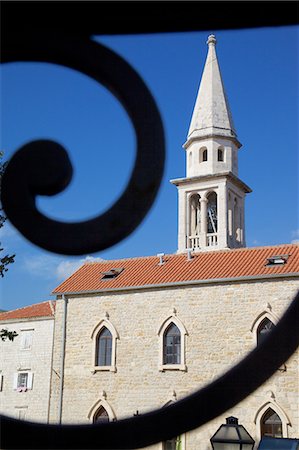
point(260, 72)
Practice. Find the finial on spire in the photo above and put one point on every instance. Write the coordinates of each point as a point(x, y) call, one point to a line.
point(211, 39)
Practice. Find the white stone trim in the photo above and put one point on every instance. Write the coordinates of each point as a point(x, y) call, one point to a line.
point(182, 366)
point(104, 323)
point(276, 408)
point(106, 406)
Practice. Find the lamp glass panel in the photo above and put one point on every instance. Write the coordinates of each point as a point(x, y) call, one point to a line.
point(225, 446)
point(245, 436)
point(227, 433)
point(247, 446)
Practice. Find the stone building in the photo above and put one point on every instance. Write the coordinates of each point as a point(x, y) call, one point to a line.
point(136, 334)
point(25, 368)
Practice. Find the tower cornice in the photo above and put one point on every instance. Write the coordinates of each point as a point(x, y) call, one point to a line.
point(214, 133)
point(227, 175)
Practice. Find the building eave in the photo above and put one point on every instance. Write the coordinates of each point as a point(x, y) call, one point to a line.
point(211, 281)
point(25, 319)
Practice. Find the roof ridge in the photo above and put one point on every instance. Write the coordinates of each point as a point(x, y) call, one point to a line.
point(259, 247)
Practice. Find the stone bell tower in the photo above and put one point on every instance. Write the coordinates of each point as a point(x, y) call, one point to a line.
point(211, 197)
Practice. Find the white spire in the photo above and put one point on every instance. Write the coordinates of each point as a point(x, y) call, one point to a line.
point(211, 115)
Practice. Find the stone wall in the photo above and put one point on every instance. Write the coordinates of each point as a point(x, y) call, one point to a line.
point(32, 404)
point(219, 320)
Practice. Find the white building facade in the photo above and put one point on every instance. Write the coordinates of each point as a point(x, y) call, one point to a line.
point(25, 368)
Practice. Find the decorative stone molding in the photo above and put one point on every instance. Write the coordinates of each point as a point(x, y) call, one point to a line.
point(263, 315)
point(106, 406)
point(276, 408)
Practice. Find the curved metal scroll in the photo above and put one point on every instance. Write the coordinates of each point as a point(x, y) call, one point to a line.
point(43, 167)
point(203, 405)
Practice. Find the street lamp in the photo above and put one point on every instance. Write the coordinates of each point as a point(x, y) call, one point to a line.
point(232, 436)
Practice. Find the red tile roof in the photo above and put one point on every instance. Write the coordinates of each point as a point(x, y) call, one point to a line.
point(44, 309)
point(212, 265)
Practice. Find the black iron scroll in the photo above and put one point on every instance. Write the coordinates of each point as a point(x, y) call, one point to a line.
point(205, 404)
point(43, 167)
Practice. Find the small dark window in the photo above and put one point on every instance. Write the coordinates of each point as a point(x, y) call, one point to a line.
point(271, 425)
point(104, 348)
point(263, 330)
point(220, 154)
point(172, 345)
point(205, 155)
point(172, 444)
point(101, 415)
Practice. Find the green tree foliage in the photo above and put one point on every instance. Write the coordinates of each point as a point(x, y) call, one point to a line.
point(7, 259)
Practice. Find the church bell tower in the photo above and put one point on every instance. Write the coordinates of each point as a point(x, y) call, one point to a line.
point(211, 197)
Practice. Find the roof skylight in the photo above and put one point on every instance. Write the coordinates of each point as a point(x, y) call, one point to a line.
point(277, 260)
point(112, 273)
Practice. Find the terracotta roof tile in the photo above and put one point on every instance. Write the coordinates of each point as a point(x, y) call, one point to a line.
point(44, 309)
point(146, 271)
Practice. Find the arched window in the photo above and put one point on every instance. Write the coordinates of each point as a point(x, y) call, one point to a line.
point(203, 154)
point(172, 345)
point(104, 348)
point(190, 159)
point(220, 154)
point(195, 215)
point(172, 334)
point(271, 424)
point(212, 213)
point(101, 415)
point(263, 330)
point(104, 336)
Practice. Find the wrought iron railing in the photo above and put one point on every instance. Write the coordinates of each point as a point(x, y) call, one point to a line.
point(26, 38)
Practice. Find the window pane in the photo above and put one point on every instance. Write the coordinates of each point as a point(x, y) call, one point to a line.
point(104, 351)
point(22, 379)
point(101, 415)
point(172, 345)
point(271, 424)
point(263, 330)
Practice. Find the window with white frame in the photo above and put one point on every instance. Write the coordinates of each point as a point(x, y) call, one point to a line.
point(104, 348)
point(26, 339)
point(104, 337)
point(23, 381)
point(172, 345)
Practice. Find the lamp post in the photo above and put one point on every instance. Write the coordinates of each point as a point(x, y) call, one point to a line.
point(232, 436)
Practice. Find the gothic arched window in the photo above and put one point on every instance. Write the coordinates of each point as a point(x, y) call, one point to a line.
point(263, 330)
point(271, 424)
point(101, 415)
point(172, 345)
point(104, 348)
